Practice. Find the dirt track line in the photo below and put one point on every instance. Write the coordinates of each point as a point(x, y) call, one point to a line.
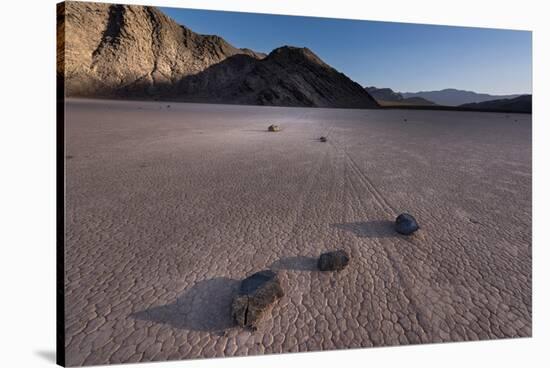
point(305, 193)
point(383, 204)
point(405, 286)
point(380, 200)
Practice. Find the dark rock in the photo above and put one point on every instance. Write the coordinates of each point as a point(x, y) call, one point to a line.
point(256, 297)
point(405, 224)
point(273, 128)
point(323, 139)
point(333, 261)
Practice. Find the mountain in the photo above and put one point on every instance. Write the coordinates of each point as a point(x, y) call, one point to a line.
point(518, 104)
point(288, 76)
point(417, 101)
point(114, 48)
point(454, 97)
point(126, 51)
point(386, 96)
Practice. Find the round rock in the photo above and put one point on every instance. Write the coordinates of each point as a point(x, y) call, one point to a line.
point(333, 261)
point(273, 128)
point(405, 224)
point(323, 139)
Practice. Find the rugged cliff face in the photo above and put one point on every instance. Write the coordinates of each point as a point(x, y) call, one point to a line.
point(123, 51)
point(115, 49)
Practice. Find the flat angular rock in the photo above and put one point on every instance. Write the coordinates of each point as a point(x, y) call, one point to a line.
point(405, 224)
point(323, 139)
point(274, 128)
point(257, 295)
point(333, 261)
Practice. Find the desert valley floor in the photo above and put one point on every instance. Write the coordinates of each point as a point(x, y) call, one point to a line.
point(170, 205)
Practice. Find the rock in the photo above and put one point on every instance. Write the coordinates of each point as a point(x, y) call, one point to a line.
point(333, 261)
point(323, 139)
point(405, 224)
point(273, 128)
point(256, 297)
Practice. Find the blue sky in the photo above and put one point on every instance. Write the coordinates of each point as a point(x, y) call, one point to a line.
point(404, 57)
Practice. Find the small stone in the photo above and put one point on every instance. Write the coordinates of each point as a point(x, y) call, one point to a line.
point(257, 295)
point(333, 261)
point(323, 139)
point(405, 224)
point(273, 128)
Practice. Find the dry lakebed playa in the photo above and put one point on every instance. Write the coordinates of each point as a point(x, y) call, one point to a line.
point(170, 205)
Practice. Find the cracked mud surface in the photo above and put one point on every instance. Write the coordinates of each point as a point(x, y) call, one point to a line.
point(168, 209)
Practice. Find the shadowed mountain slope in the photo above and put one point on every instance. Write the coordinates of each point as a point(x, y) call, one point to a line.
point(124, 51)
point(288, 76)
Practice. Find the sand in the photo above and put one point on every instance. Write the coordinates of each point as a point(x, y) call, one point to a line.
point(168, 208)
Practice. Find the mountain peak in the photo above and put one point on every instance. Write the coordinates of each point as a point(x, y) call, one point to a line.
point(296, 54)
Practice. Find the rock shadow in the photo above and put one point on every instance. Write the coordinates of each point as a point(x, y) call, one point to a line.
point(297, 263)
point(206, 306)
point(370, 229)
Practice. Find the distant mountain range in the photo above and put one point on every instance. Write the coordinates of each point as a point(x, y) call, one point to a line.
point(518, 104)
point(125, 51)
point(387, 97)
point(455, 97)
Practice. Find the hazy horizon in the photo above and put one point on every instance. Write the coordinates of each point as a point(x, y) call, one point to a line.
point(402, 56)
